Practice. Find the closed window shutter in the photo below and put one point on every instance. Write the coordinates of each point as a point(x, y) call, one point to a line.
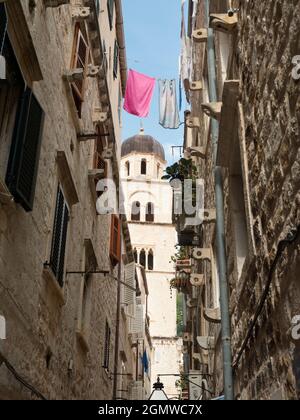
point(110, 9)
point(137, 323)
point(115, 239)
point(128, 292)
point(116, 59)
point(58, 248)
point(25, 150)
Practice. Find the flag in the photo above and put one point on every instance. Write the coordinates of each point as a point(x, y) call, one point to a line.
point(138, 95)
point(145, 362)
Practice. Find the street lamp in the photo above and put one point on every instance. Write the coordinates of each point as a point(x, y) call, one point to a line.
point(158, 393)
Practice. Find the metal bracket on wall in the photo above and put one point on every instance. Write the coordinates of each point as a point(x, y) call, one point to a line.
point(200, 35)
point(187, 337)
point(223, 22)
point(212, 109)
point(90, 136)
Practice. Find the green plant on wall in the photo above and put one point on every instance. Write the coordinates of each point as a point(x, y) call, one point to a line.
point(180, 323)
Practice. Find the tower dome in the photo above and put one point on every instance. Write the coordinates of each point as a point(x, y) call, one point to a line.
point(142, 143)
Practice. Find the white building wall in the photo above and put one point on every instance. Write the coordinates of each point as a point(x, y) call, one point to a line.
point(160, 237)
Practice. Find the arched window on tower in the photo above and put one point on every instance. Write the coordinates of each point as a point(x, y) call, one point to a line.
point(158, 170)
point(150, 212)
point(136, 211)
point(135, 255)
point(143, 167)
point(127, 166)
point(150, 260)
point(143, 258)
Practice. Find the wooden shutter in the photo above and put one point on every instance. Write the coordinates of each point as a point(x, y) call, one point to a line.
point(128, 293)
point(58, 247)
point(80, 61)
point(137, 323)
point(116, 59)
point(115, 239)
point(110, 10)
point(25, 150)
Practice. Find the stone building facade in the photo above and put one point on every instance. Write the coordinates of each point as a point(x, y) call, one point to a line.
point(60, 261)
point(257, 110)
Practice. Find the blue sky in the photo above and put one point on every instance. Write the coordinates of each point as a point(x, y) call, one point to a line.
point(152, 30)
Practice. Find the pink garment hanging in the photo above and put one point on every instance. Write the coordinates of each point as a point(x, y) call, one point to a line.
point(139, 92)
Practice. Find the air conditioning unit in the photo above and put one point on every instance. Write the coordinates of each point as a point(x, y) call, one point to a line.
point(197, 280)
point(108, 154)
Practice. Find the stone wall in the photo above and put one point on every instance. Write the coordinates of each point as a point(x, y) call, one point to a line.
point(261, 190)
point(42, 323)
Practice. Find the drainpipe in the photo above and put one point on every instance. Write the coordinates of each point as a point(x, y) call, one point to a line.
point(220, 228)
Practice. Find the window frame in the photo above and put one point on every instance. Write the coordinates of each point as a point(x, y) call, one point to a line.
point(115, 239)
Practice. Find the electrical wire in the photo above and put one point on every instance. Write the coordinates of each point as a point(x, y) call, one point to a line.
point(20, 379)
point(291, 237)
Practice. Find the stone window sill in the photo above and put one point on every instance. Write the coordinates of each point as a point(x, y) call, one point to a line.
point(53, 284)
point(82, 340)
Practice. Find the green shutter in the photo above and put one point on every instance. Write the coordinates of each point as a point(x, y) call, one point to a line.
point(59, 238)
point(110, 9)
point(116, 60)
point(25, 150)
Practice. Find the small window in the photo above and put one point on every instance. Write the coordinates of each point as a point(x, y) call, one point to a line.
point(135, 255)
point(110, 9)
point(150, 212)
point(116, 60)
point(158, 171)
point(59, 238)
point(136, 211)
point(150, 260)
point(80, 60)
point(115, 240)
point(127, 166)
point(97, 7)
point(106, 350)
point(143, 167)
point(143, 258)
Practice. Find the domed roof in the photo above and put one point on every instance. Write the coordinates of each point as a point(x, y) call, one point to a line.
point(142, 143)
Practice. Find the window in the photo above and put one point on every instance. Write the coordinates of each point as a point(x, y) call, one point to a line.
point(106, 350)
point(115, 239)
point(150, 212)
point(135, 255)
point(116, 60)
point(158, 170)
point(143, 258)
point(136, 211)
point(58, 247)
point(150, 260)
point(25, 150)
point(127, 167)
point(110, 9)
point(97, 2)
point(80, 60)
point(143, 167)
